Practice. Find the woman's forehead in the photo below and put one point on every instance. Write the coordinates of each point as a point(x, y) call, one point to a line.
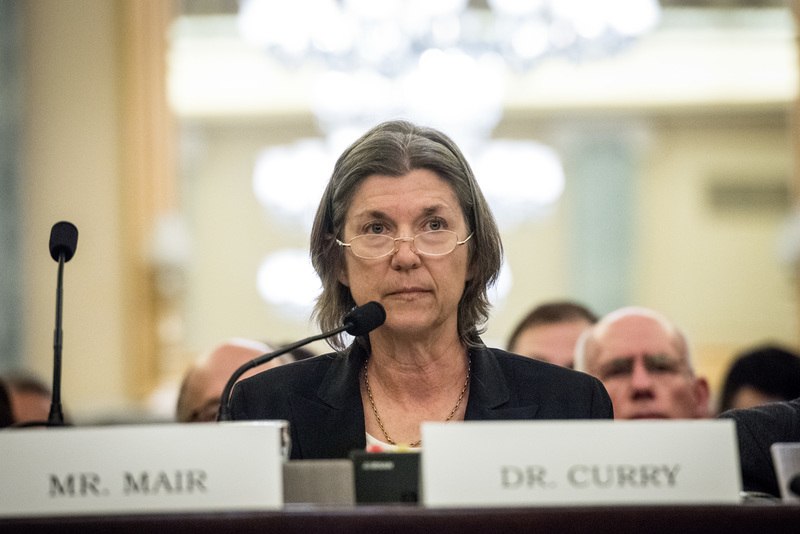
point(419, 193)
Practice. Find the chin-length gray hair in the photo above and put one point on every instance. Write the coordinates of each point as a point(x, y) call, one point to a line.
point(396, 148)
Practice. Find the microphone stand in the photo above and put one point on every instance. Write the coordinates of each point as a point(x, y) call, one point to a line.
point(224, 405)
point(56, 415)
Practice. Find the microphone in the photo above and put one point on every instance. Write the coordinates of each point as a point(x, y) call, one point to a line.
point(63, 241)
point(361, 320)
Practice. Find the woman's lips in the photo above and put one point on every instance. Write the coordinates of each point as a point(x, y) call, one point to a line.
point(408, 291)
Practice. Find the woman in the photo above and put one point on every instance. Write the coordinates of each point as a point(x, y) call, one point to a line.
point(403, 222)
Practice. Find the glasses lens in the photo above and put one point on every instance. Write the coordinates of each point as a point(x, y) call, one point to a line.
point(371, 246)
point(436, 243)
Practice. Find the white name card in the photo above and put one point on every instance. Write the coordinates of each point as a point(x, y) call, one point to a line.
point(141, 469)
point(786, 459)
point(530, 463)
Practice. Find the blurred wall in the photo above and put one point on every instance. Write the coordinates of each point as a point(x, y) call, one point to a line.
point(10, 170)
point(71, 160)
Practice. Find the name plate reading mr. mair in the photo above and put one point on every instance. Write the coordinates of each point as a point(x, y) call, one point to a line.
point(141, 469)
point(529, 463)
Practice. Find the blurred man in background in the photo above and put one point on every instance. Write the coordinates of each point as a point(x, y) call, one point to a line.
point(6, 417)
point(30, 398)
point(760, 375)
point(202, 385)
point(549, 332)
point(643, 361)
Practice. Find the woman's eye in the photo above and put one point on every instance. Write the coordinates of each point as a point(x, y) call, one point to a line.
point(375, 228)
point(435, 224)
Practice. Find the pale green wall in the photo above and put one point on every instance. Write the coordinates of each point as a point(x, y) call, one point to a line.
point(10, 170)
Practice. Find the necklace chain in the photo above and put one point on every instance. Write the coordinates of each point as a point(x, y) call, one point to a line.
point(417, 443)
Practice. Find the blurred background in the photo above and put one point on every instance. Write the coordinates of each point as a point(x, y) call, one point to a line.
point(634, 152)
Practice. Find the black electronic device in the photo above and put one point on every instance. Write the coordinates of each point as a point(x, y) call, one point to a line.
point(386, 477)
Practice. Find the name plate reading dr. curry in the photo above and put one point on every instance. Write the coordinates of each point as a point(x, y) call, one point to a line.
point(531, 463)
point(141, 469)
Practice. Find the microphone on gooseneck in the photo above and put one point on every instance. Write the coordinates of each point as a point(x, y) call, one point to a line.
point(63, 241)
point(361, 320)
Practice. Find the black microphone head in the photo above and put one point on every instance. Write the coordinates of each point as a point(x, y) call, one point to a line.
point(364, 319)
point(63, 239)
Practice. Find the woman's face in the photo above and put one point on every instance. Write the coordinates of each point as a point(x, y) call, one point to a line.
point(420, 293)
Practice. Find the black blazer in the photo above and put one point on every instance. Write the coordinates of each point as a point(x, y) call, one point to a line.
point(321, 397)
point(757, 429)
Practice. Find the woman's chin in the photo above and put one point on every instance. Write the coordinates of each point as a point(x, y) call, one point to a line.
point(407, 326)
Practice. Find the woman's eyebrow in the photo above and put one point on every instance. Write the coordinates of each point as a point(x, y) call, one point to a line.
point(369, 214)
point(432, 210)
point(372, 214)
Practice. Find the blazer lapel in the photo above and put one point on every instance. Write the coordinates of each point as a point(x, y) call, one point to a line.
point(490, 397)
point(331, 424)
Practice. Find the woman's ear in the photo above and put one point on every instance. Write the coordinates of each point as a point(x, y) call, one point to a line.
point(343, 276)
point(472, 268)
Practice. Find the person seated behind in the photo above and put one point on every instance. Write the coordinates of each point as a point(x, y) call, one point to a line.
point(643, 361)
point(763, 374)
point(6, 415)
point(549, 332)
point(402, 222)
point(202, 385)
point(757, 428)
point(30, 397)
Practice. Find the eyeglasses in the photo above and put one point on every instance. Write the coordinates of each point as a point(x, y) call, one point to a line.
point(433, 243)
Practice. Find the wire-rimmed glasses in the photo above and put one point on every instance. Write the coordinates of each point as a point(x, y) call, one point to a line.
point(433, 243)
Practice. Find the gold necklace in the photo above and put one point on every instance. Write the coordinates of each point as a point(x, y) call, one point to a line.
point(417, 443)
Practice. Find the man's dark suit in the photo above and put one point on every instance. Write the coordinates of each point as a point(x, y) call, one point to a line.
point(321, 397)
point(758, 428)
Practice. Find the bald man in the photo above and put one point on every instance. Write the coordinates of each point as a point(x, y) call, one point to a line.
point(30, 398)
point(643, 361)
point(201, 389)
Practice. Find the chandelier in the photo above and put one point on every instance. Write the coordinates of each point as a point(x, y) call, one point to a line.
point(390, 36)
point(440, 62)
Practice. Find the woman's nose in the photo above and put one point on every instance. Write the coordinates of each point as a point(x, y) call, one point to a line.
point(405, 255)
point(398, 243)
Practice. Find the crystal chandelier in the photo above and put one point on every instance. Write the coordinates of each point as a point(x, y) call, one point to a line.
point(390, 36)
